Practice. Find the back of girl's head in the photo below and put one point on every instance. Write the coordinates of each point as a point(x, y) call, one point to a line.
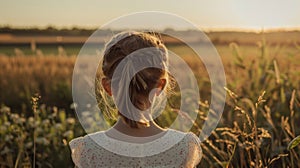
point(118, 48)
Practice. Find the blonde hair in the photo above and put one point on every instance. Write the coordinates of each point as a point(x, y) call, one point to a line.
point(118, 48)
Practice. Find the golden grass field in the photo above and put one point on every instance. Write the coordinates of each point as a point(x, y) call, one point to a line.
point(260, 120)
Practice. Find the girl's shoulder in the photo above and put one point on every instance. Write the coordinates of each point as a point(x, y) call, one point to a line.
point(194, 153)
point(76, 142)
point(192, 138)
point(82, 149)
point(84, 141)
point(188, 137)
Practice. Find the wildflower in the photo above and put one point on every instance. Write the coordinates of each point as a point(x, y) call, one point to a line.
point(5, 109)
point(70, 120)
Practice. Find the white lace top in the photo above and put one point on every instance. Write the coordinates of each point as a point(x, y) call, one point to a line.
point(173, 149)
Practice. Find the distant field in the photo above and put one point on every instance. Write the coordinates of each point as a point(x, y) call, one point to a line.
point(73, 49)
point(44, 49)
point(69, 42)
point(249, 38)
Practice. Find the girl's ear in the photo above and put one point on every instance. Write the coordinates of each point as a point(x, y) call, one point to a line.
point(106, 85)
point(161, 85)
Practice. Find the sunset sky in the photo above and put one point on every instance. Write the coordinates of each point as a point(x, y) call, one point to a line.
point(254, 14)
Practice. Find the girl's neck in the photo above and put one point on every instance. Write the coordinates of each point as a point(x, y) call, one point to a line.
point(153, 129)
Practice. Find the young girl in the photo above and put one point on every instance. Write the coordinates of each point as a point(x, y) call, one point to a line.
point(136, 140)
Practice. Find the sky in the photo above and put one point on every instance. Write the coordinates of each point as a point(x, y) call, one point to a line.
point(210, 14)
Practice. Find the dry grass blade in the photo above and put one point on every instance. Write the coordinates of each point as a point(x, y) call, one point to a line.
point(292, 111)
point(231, 93)
point(231, 135)
point(294, 143)
point(277, 157)
point(249, 119)
point(286, 126)
point(260, 99)
point(267, 115)
point(292, 103)
point(225, 141)
point(276, 72)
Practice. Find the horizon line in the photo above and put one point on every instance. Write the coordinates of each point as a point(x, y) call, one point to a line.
point(206, 29)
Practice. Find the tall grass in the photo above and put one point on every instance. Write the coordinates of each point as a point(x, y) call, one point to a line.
point(258, 127)
point(21, 76)
point(260, 120)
